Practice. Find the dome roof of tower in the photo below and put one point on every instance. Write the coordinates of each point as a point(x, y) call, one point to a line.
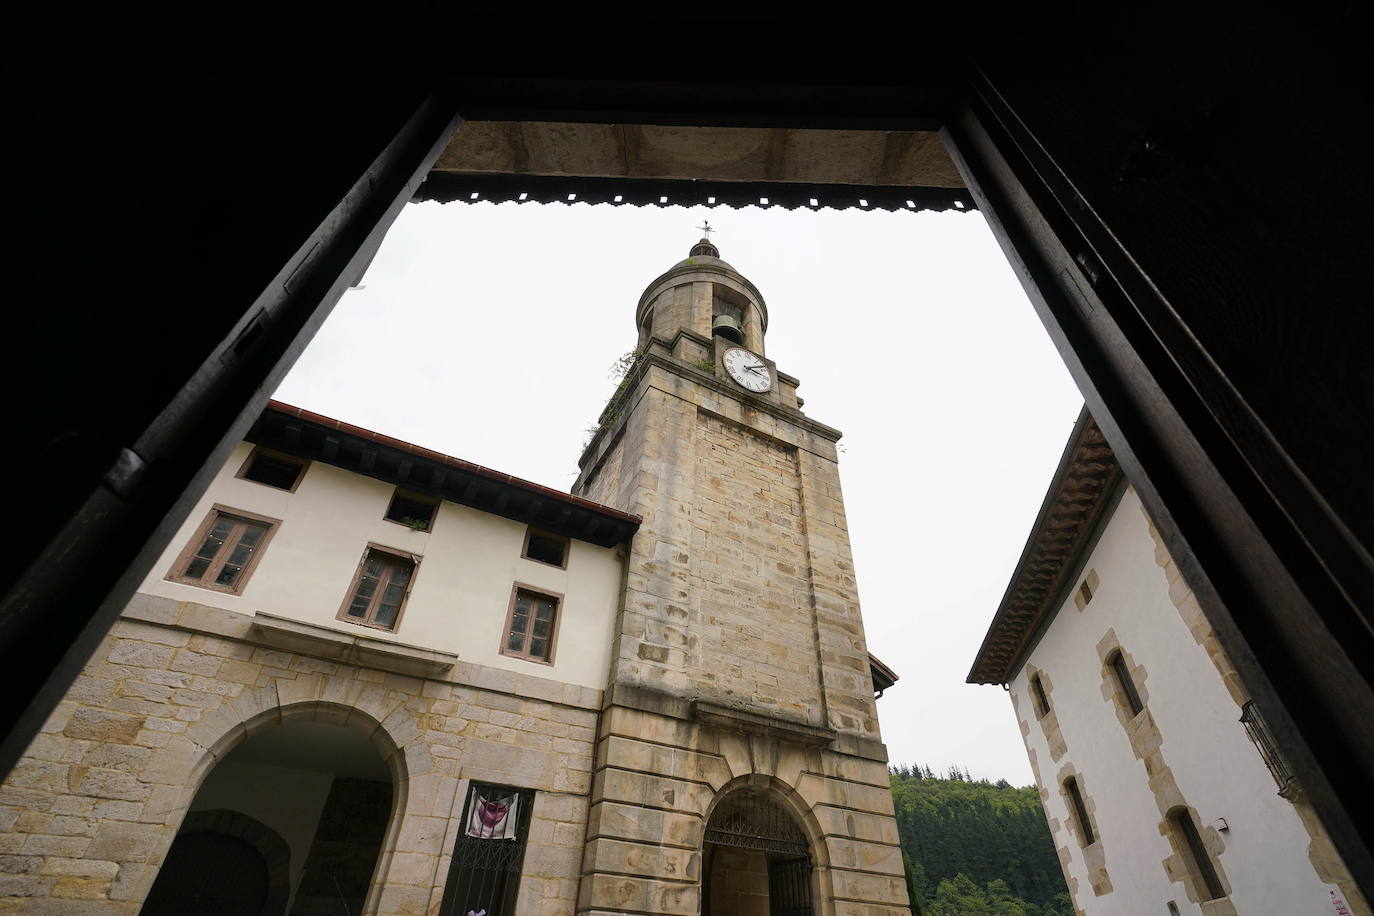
point(703, 252)
point(704, 258)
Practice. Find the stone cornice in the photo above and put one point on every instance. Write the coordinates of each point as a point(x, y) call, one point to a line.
point(630, 387)
point(349, 648)
point(703, 713)
point(752, 723)
point(373, 652)
point(1075, 505)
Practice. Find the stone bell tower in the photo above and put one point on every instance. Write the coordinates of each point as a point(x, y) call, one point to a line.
point(739, 766)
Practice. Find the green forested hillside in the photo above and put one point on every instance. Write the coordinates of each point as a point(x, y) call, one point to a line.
point(976, 848)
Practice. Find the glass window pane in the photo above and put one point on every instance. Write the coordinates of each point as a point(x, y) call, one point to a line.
point(393, 594)
point(539, 648)
point(522, 603)
point(542, 628)
point(358, 608)
point(519, 623)
point(386, 614)
point(515, 642)
point(197, 567)
point(240, 554)
point(228, 575)
point(543, 610)
point(214, 539)
point(400, 573)
point(252, 534)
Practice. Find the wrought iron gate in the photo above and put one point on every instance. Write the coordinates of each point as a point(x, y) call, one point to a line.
point(750, 820)
point(789, 887)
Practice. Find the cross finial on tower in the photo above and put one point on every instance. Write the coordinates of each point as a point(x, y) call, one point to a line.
point(706, 229)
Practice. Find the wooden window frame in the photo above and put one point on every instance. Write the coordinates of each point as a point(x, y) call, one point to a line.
point(1079, 806)
point(1125, 684)
point(258, 450)
point(416, 497)
point(532, 531)
point(366, 620)
point(515, 591)
point(176, 573)
point(1039, 698)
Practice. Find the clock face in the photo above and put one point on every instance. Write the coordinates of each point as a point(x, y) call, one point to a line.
point(747, 369)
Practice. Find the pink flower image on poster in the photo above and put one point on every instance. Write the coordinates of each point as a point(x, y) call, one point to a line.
point(493, 817)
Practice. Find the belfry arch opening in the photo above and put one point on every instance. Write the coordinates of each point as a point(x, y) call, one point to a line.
point(728, 311)
point(756, 859)
point(291, 822)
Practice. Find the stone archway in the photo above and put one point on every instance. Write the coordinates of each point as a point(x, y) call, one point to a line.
point(199, 853)
point(378, 717)
point(323, 787)
point(756, 858)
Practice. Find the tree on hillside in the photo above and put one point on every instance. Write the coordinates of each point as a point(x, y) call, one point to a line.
point(994, 835)
point(959, 896)
point(917, 887)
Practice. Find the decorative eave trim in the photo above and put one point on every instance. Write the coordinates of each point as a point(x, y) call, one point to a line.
point(493, 187)
point(319, 438)
point(1074, 507)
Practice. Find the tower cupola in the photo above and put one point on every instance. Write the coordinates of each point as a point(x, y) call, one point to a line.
point(704, 295)
point(704, 248)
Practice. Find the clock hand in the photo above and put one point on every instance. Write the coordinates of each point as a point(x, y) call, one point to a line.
point(758, 369)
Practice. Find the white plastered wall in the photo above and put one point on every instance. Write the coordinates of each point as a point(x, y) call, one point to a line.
point(1217, 768)
point(470, 560)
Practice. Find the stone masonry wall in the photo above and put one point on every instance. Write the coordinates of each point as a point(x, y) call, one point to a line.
point(740, 584)
point(91, 809)
point(740, 604)
point(657, 779)
point(755, 640)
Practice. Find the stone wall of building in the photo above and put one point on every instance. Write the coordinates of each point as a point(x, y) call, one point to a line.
point(739, 883)
point(755, 637)
point(93, 806)
point(740, 584)
point(658, 775)
point(1184, 750)
point(740, 656)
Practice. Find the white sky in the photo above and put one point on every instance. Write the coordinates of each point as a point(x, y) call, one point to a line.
point(487, 332)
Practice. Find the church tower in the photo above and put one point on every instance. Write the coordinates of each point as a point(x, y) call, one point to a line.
point(739, 765)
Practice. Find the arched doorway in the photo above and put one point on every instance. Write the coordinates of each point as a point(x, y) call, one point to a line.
point(290, 823)
point(756, 859)
point(222, 863)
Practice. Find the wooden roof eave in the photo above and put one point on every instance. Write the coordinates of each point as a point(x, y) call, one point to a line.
point(1074, 505)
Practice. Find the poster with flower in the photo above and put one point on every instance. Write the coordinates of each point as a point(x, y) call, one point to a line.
point(492, 815)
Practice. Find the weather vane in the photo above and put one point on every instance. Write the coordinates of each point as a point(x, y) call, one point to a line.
point(705, 227)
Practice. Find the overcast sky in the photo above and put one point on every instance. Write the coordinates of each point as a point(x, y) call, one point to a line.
point(487, 332)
